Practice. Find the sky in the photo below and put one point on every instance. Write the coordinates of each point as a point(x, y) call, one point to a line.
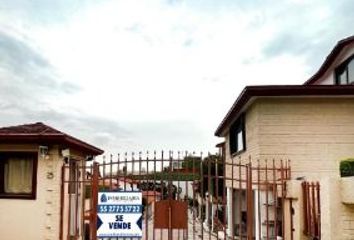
point(141, 75)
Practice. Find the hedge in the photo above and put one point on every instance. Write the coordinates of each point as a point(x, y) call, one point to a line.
point(347, 167)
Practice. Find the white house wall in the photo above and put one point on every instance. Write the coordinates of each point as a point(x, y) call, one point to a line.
point(34, 219)
point(315, 134)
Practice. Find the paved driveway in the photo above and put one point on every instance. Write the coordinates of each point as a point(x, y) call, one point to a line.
point(193, 233)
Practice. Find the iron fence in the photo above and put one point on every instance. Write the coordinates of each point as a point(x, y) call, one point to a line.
point(186, 195)
point(312, 209)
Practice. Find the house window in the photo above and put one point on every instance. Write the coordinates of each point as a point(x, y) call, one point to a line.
point(345, 72)
point(73, 177)
point(237, 136)
point(18, 175)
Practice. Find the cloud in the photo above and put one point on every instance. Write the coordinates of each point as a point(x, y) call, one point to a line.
point(18, 55)
point(114, 137)
point(162, 134)
point(102, 132)
point(287, 42)
point(188, 42)
point(26, 75)
point(308, 29)
point(135, 28)
point(46, 12)
point(162, 76)
point(28, 81)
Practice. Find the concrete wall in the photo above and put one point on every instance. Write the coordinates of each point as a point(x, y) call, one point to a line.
point(39, 218)
point(315, 134)
point(347, 197)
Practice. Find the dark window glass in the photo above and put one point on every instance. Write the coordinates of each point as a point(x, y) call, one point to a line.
point(345, 72)
point(351, 72)
point(73, 177)
point(237, 136)
point(343, 78)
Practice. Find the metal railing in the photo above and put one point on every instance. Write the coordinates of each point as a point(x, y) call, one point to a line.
point(236, 199)
point(312, 209)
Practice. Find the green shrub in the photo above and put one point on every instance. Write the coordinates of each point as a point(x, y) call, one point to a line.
point(346, 167)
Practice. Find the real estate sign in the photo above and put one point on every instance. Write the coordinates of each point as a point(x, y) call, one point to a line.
point(119, 214)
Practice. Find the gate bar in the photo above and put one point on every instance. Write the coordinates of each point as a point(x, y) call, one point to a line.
point(239, 194)
point(275, 200)
point(318, 209)
point(267, 198)
point(259, 202)
point(224, 193)
point(155, 200)
point(94, 200)
point(249, 202)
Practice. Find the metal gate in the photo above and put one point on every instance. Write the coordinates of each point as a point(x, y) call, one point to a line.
point(312, 209)
point(185, 196)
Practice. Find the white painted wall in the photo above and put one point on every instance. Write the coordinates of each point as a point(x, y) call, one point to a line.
point(37, 219)
point(34, 219)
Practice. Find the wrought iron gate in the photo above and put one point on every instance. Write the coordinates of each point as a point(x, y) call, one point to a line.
point(186, 196)
point(312, 209)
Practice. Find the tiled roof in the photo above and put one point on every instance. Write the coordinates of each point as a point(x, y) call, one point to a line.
point(35, 128)
point(42, 133)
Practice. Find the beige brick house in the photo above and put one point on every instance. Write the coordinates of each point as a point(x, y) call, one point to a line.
point(31, 193)
point(310, 124)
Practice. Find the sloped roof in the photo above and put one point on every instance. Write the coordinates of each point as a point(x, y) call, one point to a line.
point(251, 92)
point(307, 89)
point(35, 128)
point(330, 59)
point(42, 133)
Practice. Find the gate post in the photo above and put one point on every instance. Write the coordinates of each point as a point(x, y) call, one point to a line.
point(94, 184)
point(249, 195)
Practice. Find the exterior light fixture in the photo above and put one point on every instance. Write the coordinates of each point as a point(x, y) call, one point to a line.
point(43, 151)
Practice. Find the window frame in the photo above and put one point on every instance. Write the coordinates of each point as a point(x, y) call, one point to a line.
point(73, 177)
point(4, 156)
point(343, 68)
point(236, 127)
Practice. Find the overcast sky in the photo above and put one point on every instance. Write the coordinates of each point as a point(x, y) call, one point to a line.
point(151, 75)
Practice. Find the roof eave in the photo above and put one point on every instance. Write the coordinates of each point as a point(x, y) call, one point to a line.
point(50, 138)
point(251, 92)
point(85, 146)
point(330, 59)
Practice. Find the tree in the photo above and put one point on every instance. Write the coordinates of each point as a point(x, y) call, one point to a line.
point(211, 166)
point(192, 162)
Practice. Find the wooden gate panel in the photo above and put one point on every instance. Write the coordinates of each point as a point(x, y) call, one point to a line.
point(179, 215)
point(171, 214)
point(161, 214)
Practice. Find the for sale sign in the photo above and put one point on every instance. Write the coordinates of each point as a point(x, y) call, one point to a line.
point(119, 214)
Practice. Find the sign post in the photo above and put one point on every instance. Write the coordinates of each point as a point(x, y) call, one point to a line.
point(119, 214)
